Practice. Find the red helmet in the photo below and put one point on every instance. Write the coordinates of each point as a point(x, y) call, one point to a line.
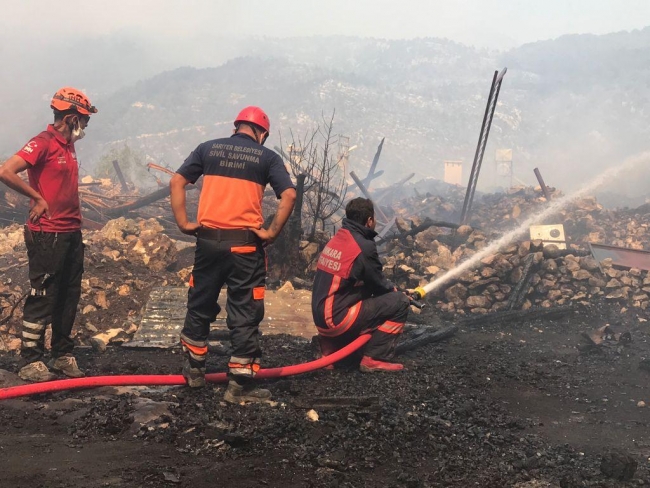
point(68, 98)
point(254, 115)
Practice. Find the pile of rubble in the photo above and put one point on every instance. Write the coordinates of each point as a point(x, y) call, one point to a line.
point(584, 220)
point(140, 241)
point(522, 274)
point(123, 262)
point(127, 257)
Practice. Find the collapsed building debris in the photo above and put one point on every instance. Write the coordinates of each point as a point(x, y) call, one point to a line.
point(606, 334)
point(522, 274)
point(125, 259)
point(101, 201)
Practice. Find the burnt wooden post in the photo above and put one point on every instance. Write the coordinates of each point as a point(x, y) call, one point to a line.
point(547, 194)
point(120, 176)
point(366, 193)
point(284, 254)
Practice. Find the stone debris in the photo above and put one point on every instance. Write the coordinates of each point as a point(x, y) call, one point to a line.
point(101, 341)
point(123, 261)
point(556, 277)
point(127, 257)
point(141, 241)
point(312, 415)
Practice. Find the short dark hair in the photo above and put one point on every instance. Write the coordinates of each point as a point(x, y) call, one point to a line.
point(60, 114)
point(359, 210)
point(254, 127)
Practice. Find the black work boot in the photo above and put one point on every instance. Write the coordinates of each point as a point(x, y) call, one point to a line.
point(195, 377)
point(193, 371)
point(240, 393)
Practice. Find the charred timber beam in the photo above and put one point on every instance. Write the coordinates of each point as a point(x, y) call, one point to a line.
point(120, 176)
point(547, 194)
point(422, 227)
point(520, 291)
point(371, 172)
point(139, 203)
point(517, 315)
point(384, 192)
point(429, 223)
point(426, 338)
point(160, 168)
point(364, 190)
point(300, 192)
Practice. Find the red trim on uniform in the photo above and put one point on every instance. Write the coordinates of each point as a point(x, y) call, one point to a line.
point(258, 293)
point(329, 302)
point(391, 327)
point(243, 249)
point(191, 283)
point(198, 350)
point(252, 367)
point(333, 329)
point(240, 366)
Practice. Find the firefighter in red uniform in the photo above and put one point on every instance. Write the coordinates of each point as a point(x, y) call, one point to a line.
point(52, 235)
point(230, 246)
point(351, 296)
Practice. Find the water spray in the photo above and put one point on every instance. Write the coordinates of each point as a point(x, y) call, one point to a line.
point(556, 205)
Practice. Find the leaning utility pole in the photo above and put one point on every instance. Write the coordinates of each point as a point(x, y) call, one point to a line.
point(482, 142)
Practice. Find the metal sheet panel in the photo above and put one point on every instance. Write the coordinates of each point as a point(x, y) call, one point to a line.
point(162, 319)
point(621, 256)
point(285, 312)
point(549, 234)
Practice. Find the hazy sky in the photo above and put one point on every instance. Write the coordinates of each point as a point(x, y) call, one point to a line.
point(485, 23)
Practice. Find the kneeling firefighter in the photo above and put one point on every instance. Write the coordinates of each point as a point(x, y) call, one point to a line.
point(351, 296)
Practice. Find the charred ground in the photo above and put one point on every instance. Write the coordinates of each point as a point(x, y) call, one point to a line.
point(530, 402)
point(495, 406)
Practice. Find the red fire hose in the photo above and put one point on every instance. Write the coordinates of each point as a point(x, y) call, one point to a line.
point(150, 380)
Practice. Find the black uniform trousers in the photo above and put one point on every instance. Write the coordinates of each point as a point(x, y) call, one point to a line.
point(56, 263)
point(384, 317)
point(234, 258)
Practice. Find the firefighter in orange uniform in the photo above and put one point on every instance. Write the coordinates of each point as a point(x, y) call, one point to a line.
point(230, 246)
point(351, 296)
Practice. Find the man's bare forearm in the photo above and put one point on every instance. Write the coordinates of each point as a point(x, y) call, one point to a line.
point(177, 196)
point(285, 207)
point(9, 176)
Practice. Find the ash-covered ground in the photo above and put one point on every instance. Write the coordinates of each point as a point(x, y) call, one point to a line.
point(534, 400)
point(524, 403)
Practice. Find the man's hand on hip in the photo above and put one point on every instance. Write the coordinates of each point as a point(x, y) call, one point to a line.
point(189, 228)
point(265, 235)
point(39, 209)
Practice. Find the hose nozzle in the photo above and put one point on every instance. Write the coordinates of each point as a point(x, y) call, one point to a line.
point(416, 296)
point(418, 293)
